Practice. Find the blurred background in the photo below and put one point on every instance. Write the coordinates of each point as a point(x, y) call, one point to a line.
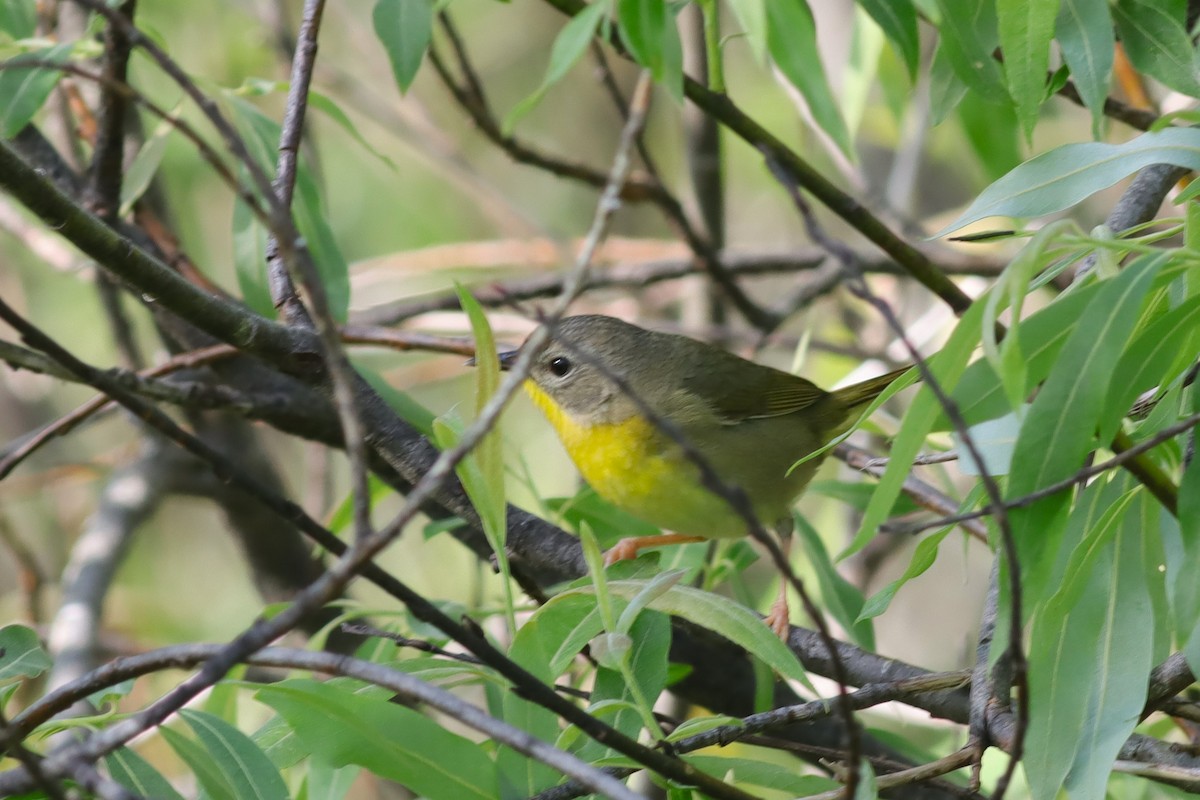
point(418, 198)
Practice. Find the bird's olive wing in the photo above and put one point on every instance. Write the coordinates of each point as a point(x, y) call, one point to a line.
point(738, 390)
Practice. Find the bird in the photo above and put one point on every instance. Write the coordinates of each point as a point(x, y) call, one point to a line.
point(606, 386)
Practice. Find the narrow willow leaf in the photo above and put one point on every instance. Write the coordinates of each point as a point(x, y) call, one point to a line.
point(1061, 658)
point(1186, 595)
point(261, 134)
point(1059, 429)
point(632, 691)
point(1066, 175)
point(326, 782)
point(733, 621)
point(839, 597)
point(754, 772)
point(1085, 36)
point(136, 774)
point(898, 20)
point(1123, 660)
point(489, 456)
point(1025, 32)
point(244, 766)
point(995, 439)
point(1145, 363)
point(922, 559)
point(394, 742)
point(404, 27)
point(21, 653)
point(1157, 43)
point(202, 764)
point(402, 403)
point(968, 35)
point(23, 90)
point(752, 14)
point(545, 645)
point(947, 366)
point(792, 42)
point(18, 18)
point(145, 165)
point(569, 46)
point(946, 90)
point(1007, 358)
point(979, 393)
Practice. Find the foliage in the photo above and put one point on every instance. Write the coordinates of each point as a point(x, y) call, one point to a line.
point(254, 243)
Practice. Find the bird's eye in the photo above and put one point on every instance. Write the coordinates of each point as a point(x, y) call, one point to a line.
point(560, 365)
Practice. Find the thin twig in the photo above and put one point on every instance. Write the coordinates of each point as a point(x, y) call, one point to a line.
point(858, 286)
point(1084, 474)
point(410, 688)
point(65, 424)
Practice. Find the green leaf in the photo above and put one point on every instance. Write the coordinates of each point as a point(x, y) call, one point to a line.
point(135, 773)
point(1124, 658)
point(1085, 36)
point(208, 773)
point(752, 14)
point(21, 653)
point(332, 110)
point(607, 522)
point(733, 621)
point(488, 453)
point(792, 42)
point(643, 29)
point(18, 18)
point(313, 224)
point(404, 27)
point(390, 740)
point(839, 597)
point(1066, 175)
point(1186, 595)
point(755, 772)
point(947, 366)
point(1025, 32)
point(250, 258)
point(569, 46)
point(145, 165)
point(111, 694)
point(1072, 658)
point(946, 90)
point(635, 689)
point(261, 135)
point(1059, 428)
point(545, 645)
point(1145, 362)
point(1157, 43)
point(898, 20)
point(326, 782)
point(243, 765)
point(979, 393)
point(992, 131)
point(968, 35)
point(922, 559)
point(23, 90)
point(403, 404)
point(995, 440)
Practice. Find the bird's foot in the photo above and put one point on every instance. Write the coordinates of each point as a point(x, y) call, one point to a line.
point(627, 549)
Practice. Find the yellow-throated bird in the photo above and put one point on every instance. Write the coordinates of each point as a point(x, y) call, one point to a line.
point(750, 422)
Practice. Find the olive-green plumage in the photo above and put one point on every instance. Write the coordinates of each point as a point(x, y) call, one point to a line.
point(752, 423)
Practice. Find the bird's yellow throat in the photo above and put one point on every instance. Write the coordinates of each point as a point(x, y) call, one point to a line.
point(627, 464)
point(609, 455)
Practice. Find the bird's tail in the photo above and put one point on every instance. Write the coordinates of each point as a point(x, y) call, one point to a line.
point(861, 393)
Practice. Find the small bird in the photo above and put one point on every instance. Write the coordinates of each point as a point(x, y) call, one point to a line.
point(750, 422)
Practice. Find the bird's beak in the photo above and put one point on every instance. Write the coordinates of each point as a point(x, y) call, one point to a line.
point(506, 359)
